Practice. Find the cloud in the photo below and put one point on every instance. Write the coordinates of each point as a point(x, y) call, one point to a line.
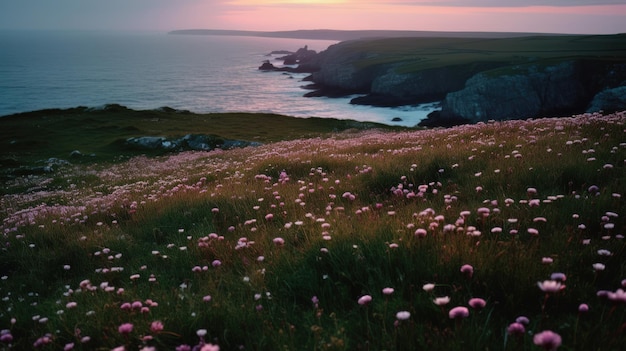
point(508, 3)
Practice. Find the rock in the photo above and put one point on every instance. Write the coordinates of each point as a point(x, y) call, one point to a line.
point(267, 66)
point(189, 142)
point(151, 143)
point(76, 154)
point(396, 119)
point(528, 91)
point(609, 100)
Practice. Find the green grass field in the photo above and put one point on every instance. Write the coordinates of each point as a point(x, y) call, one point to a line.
point(498, 236)
point(415, 54)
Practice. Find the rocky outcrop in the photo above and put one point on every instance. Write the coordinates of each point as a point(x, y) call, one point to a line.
point(393, 87)
point(197, 142)
point(303, 58)
point(489, 82)
point(342, 72)
point(609, 100)
point(529, 91)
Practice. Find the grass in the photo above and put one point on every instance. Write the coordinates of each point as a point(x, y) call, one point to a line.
point(272, 247)
point(416, 54)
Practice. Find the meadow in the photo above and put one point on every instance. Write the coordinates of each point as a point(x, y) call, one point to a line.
point(416, 54)
point(495, 236)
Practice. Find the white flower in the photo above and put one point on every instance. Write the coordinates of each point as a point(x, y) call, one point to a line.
point(550, 286)
point(440, 301)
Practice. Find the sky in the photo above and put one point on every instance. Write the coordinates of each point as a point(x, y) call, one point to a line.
point(535, 16)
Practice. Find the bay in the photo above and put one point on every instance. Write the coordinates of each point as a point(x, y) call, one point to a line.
point(149, 70)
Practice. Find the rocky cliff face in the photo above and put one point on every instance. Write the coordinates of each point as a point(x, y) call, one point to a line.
point(529, 91)
point(474, 91)
point(339, 69)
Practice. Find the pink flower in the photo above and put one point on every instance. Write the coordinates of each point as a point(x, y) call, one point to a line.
point(458, 312)
point(403, 315)
point(216, 263)
point(477, 303)
point(279, 241)
point(547, 339)
point(5, 336)
point(364, 300)
point(583, 307)
point(156, 326)
point(516, 329)
point(467, 269)
point(125, 328)
point(388, 291)
point(550, 286)
point(440, 301)
point(558, 276)
point(618, 296)
point(210, 347)
point(420, 233)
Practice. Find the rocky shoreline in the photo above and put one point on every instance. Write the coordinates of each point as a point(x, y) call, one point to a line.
point(471, 91)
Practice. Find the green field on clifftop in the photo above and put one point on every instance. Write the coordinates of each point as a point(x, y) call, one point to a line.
point(415, 54)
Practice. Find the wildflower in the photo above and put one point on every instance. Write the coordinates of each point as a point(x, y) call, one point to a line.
point(467, 269)
point(156, 326)
point(5, 336)
point(547, 339)
point(420, 233)
point(547, 260)
point(516, 329)
point(558, 276)
point(477, 303)
point(440, 301)
point(388, 291)
point(458, 312)
point(206, 298)
point(598, 267)
point(125, 328)
point(279, 241)
point(550, 286)
point(210, 347)
point(583, 307)
point(364, 300)
point(403, 315)
point(216, 263)
point(428, 287)
point(618, 296)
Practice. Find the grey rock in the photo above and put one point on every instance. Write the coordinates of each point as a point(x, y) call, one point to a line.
point(609, 100)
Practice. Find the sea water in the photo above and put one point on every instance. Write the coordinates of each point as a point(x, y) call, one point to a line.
point(149, 70)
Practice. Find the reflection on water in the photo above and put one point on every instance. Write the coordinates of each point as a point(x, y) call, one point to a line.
point(149, 70)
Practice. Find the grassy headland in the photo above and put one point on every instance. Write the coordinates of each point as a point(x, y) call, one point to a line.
point(29, 140)
point(362, 240)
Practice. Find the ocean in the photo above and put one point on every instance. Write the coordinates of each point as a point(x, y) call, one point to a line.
point(149, 70)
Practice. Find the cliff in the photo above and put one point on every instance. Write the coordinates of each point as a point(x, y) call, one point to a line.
point(477, 79)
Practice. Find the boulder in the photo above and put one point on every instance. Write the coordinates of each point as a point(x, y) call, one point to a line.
point(522, 92)
point(609, 100)
point(189, 142)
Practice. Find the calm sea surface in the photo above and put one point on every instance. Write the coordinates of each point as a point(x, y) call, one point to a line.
point(41, 70)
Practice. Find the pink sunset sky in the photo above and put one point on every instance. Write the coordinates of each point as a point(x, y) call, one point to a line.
point(551, 16)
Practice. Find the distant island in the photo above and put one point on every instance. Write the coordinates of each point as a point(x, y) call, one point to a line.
point(341, 35)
